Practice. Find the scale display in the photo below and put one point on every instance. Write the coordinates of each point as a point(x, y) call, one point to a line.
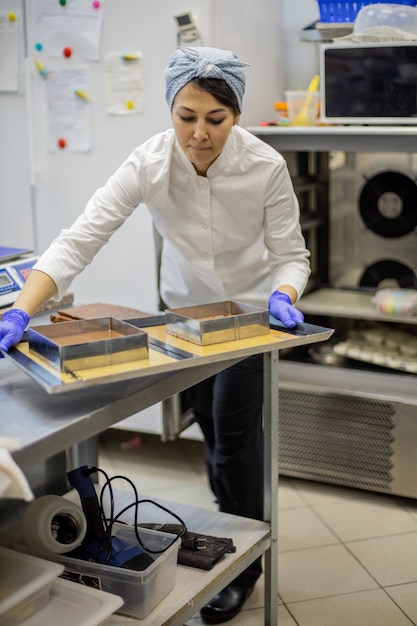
point(9, 288)
point(13, 276)
point(5, 281)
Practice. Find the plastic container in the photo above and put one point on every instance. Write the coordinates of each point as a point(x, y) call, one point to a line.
point(346, 10)
point(70, 604)
point(303, 107)
point(396, 16)
point(141, 591)
point(396, 302)
point(281, 113)
point(25, 583)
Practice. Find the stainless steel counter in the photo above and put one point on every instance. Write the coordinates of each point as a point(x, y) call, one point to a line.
point(47, 424)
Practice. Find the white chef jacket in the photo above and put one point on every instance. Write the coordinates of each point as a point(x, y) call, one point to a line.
point(232, 235)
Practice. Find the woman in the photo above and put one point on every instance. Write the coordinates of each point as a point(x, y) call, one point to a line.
point(224, 205)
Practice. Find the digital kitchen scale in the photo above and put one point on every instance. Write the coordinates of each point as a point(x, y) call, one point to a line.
point(15, 266)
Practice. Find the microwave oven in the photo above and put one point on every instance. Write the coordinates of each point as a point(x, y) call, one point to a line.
point(369, 83)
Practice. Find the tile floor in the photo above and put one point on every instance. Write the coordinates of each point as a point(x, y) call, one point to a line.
point(347, 557)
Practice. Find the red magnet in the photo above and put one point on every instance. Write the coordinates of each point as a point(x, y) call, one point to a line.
point(61, 143)
point(67, 52)
point(96, 4)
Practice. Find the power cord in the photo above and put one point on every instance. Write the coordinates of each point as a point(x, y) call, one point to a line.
point(110, 521)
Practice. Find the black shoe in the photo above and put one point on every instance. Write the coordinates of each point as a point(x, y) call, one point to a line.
point(225, 605)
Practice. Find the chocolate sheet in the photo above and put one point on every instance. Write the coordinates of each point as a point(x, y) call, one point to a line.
point(96, 310)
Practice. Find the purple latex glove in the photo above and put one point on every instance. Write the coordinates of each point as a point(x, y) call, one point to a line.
point(12, 327)
point(281, 307)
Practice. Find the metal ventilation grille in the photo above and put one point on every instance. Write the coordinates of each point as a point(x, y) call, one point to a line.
point(335, 438)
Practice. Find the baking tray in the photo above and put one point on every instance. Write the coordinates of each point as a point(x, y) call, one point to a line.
point(72, 604)
point(85, 344)
point(217, 322)
point(167, 354)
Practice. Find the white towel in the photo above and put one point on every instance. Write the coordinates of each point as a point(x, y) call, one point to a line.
point(13, 483)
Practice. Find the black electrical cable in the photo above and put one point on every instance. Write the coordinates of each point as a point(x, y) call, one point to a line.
point(109, 521)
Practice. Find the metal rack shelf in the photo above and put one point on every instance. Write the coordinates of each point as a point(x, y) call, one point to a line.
point(321, 32)
point(346, 138)
point(348, 303)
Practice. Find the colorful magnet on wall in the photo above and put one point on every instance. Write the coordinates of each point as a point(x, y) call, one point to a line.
point(12, 17)
point(41, 68)
point(130, 105)
point(62, 2)
point(130, 56)
point(38, 46)
point(96, 4)
point(61, 143)
point(81, 94)
point(67, 52)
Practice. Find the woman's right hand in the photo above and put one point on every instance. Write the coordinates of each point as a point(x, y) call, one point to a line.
point(12, 326)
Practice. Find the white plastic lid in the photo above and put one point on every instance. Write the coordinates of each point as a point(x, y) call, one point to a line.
point(399, 16)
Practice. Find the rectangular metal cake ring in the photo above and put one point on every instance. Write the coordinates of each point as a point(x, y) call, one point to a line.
point(84, 344)
point(217, 322)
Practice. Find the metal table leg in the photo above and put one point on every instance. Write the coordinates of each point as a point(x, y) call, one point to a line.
point(271, 384)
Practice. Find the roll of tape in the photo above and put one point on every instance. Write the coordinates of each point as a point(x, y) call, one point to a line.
point(54, 524)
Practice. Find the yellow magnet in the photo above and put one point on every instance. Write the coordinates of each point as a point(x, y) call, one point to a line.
point(81, 94)
point(41, 68)
point(129, 56)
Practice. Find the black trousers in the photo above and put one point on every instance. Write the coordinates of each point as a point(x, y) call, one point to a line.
point(228, 408)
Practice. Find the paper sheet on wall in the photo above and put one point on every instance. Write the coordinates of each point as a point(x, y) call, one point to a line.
point(9, 51)
point(75, 25)
point(123, 84)
point(68, 114)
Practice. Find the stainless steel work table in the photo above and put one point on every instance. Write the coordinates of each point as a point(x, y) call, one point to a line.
point(49, 423)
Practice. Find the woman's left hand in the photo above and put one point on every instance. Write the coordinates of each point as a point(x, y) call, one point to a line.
point(282, 308)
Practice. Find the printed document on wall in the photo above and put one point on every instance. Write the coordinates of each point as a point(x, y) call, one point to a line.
point(123, 83)
point(68, 110)
point(9, 51)
point(73, 24)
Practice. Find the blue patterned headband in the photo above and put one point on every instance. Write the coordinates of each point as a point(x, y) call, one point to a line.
point(187, 63)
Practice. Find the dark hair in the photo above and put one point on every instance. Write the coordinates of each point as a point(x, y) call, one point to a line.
point(220, 90)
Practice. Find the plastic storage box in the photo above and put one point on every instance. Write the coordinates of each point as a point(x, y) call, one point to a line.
point(396, 302)
point(395, 16)
point(141, 591)
point(346, 10)
point(25, 583)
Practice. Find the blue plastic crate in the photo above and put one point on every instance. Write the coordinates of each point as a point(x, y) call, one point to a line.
point(346, 10)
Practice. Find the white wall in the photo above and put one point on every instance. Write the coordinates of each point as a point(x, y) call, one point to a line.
point(254, 30)
point(300, 58)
